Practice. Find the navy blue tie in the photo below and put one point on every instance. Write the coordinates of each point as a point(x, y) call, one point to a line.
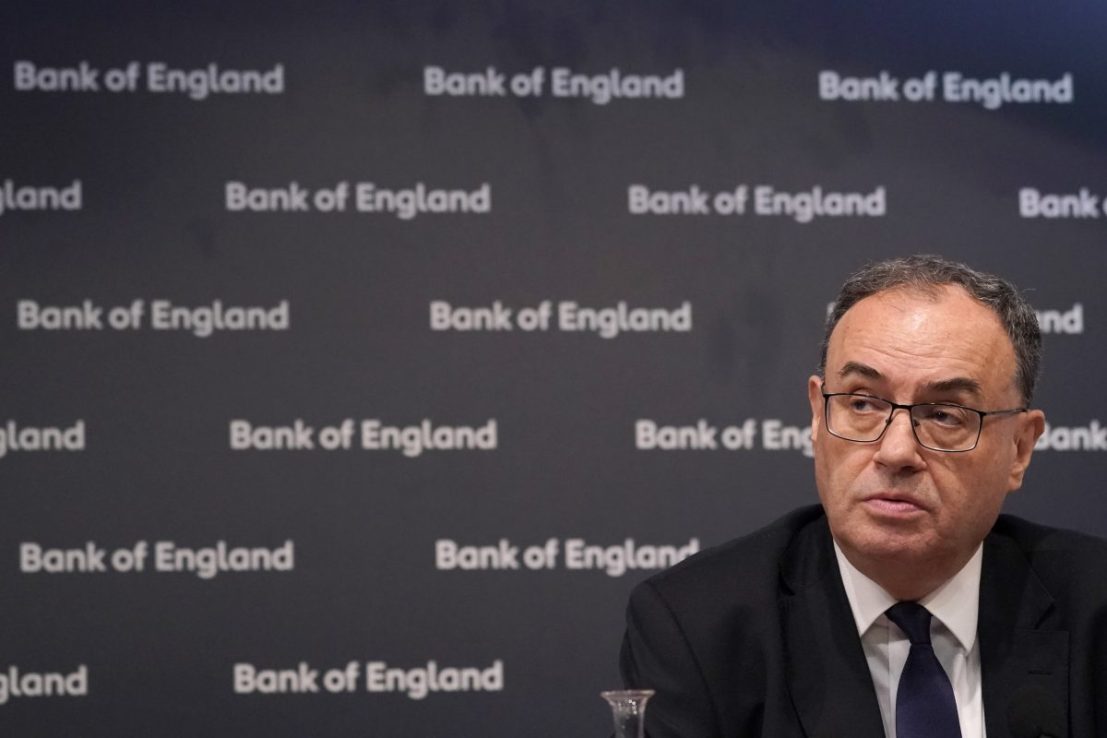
point(925, 706)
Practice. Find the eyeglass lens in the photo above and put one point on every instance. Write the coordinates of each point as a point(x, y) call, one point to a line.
point(936, 426)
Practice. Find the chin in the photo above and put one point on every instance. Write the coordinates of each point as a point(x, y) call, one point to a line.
point(894, 546)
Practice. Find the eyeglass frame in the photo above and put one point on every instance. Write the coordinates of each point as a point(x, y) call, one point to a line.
point(897, 406)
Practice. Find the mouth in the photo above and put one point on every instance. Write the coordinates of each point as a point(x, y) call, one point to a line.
point(894, 504)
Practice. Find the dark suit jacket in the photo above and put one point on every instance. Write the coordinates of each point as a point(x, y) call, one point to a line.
point(756, 638)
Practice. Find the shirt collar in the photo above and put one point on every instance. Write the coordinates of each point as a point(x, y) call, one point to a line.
point(956, 603)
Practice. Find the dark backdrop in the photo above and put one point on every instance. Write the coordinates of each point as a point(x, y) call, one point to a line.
point(117, 439)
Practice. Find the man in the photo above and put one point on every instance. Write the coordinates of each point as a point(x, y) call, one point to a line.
point(906, 605)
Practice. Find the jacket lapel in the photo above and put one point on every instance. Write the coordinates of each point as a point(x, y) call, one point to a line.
point(1024, 657)
point(826, 671)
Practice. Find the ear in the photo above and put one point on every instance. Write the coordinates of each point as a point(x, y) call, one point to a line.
point(815, 398)
point(1031, 426)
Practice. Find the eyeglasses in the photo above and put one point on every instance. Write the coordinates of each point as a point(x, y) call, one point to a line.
point(938, 426)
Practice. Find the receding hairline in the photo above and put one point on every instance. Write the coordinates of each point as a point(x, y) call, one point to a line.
point(932, 293)
point(926, 275)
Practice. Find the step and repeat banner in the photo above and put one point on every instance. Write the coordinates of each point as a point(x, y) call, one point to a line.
point(356, 360)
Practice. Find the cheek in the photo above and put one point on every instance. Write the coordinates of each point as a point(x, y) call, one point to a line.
point(971, 495)
point(837, 469)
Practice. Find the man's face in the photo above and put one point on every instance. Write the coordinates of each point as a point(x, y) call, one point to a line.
point(894, 503)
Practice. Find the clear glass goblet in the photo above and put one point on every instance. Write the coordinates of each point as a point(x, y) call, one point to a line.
point(628, 707)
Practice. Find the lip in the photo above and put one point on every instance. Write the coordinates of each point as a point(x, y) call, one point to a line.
point(894, 504)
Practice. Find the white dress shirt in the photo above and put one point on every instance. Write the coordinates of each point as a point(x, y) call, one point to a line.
point(955, 606)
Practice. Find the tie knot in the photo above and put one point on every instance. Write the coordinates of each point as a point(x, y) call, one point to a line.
point(913, 619)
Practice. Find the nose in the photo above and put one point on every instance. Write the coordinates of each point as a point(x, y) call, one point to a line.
point(898, 449)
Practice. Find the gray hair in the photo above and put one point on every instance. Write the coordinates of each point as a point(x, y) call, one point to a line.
point(927, 273)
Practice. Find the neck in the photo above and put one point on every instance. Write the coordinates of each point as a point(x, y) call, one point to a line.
point(905, 580)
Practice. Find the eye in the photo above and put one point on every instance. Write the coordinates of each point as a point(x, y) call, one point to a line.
point(862, 404)
point(945, 416)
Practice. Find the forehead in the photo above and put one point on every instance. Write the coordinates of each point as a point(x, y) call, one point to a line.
point(918, 337)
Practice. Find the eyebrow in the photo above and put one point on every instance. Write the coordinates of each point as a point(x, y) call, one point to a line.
point(855, 367)
point(953, 384)
point(956, 384)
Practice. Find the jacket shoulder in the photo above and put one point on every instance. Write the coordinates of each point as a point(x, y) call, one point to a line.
point(1070, 564)
point(749, 566)
point(1036, 540)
